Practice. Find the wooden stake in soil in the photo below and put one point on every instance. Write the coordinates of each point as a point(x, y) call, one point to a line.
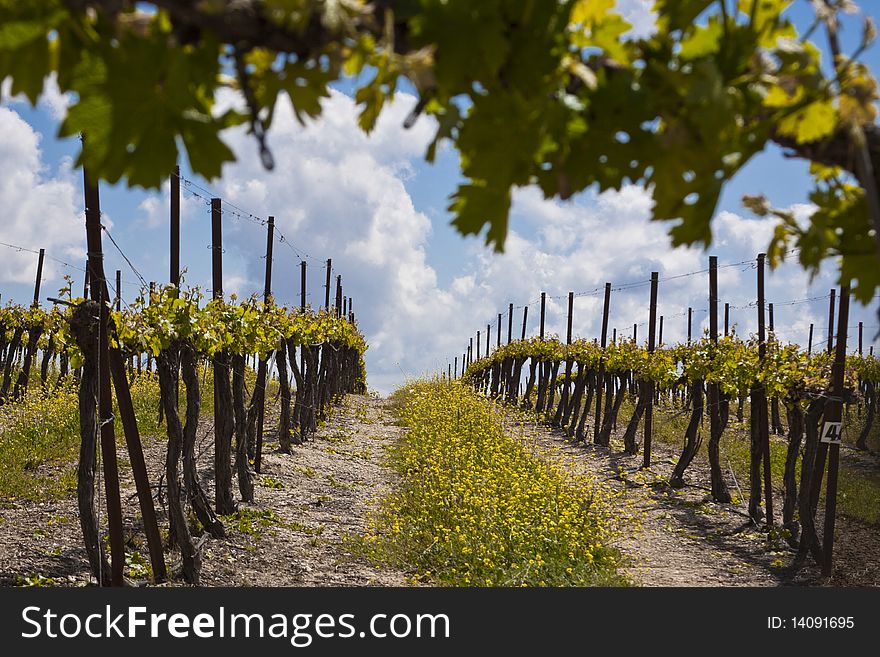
point(223, 501)
point(105, 395)
point(525, 319)
point(498, 342)
point(831, 431)
point(600, 377)
point(690, 323)
point(649, 407)
point(763, 426)
point(263, 365)
point(660, 334)
point(726, 319)
point(810, 341)
point(719, 487)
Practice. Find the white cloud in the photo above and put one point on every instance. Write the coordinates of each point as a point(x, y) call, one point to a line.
point(154, 209)
point(39, 211)
point(52, 101)
point(338, 193)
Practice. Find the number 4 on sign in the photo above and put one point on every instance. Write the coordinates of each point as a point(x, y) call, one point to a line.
point(831, 432)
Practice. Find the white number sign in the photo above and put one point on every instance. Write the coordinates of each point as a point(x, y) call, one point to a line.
point(831, 432)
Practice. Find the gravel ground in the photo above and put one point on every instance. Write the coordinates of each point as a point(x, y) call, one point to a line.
point(309, 501)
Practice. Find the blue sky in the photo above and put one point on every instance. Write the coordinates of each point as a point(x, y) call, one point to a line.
point(379, 211)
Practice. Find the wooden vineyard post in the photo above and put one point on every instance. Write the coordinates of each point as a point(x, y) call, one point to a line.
point(498, 341)
point(649, 406)
point(761, 413)
point(570, 317)
point(831, 322)
point(861, 326)
point(541, 365)
point(302, 305)
point(810, 341)
point(543, 311)
point(567, 385)
point(488, 336)
point(719, 488)
point(302, 285)
point(478, 345)
point(600, 376)
point(614, 336)
point(118, 299)
point(105, 396)
point(175, 227)
point(327, 285)
point(509, 323)
point(216, 250)
point(339, 295)
point(831, 431)
point(470, 352)
point(635, 332)
point(39, 279)
point(223, 427)
point(660, 334)
point(525, 320)
point(455, 368)
point(775, 419)
point(690, 323)
point(263, 365)
point(726, 319)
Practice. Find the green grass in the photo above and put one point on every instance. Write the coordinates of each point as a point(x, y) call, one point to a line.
point(40, 439)
point(38, 430)
point(252, 522)
point(475, 508)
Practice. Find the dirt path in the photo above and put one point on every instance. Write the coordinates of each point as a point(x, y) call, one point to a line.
point(682, 537)
point(306, 502)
